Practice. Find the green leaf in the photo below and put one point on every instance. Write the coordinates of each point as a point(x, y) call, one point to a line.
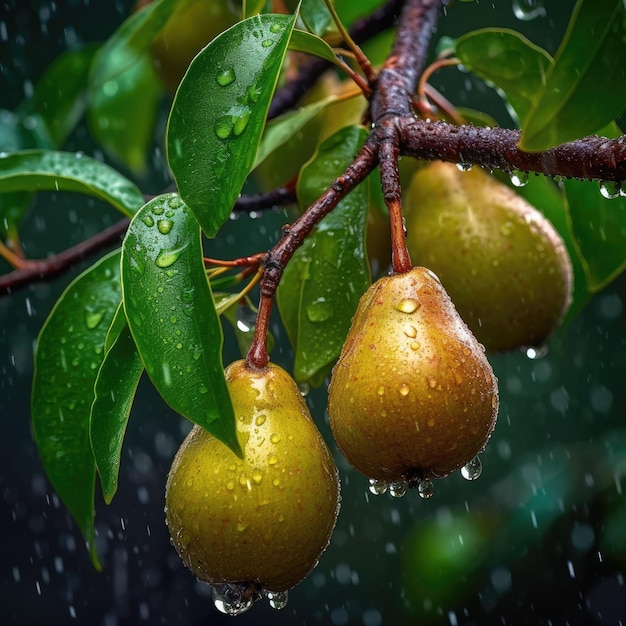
point(586, 87)
point(302, 41)
point(172, 316)
point(219, 112)
point(43, 170)
point(282, 129)
point(69, 353)
point(316, 16)
point(509, 61)
point(136, 33)
point(123, 110)
point(115, 389)
point(321, 286)
point(58, 101)
point(598, 225)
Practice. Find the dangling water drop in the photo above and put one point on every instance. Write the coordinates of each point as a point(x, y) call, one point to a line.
point(304, 389)
point(527, 10)
point(464, 167)
point(425, 489)
point(610, 190)
point(377, 487)
point(245, 318)
point(472, 470)
point(519, 178)
point(536, 353)
point(277, 599)
point(231, 599)
point(397, 490)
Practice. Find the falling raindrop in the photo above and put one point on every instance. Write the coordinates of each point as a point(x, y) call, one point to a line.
point(527, 10)
point(472, 470)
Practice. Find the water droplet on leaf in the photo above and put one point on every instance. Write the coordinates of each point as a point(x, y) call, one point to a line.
point(166, 258)
point(226, 77)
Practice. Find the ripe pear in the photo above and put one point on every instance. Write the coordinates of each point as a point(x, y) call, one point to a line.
point(504, 265)
point(262, 521)
point(412, 395)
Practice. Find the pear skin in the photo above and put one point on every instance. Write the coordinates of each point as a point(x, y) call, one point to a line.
point(262, 521)
point(504, 265)
point(412, 395)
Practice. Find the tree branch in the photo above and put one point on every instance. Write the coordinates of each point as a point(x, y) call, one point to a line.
point(591, 157)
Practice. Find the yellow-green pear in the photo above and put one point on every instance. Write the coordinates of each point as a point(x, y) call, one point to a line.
point(260, 522)
point(412, 395)
point(504, 265)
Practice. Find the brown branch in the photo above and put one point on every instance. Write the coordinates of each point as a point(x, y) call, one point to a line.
point(292, 239)
point(362, 30)
point(46, 268)
point(591, 157)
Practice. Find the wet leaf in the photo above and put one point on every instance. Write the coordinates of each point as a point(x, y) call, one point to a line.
point(302, 41)
point(68, 355)
point(135, 34)
point(43, 170)
point(313, 13)
point(509, 61)
point(586, 87)
point(219, 112)
point(282, 129)
point(59, 101)
point(322, 284)
point(172, 316)
point(122, 111)
point(114, 390)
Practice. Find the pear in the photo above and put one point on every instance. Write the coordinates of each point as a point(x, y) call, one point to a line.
point(412, 396)
point(259, 523)
point(504, 265)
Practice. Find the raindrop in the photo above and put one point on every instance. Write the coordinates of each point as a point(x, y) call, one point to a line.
point(464, 167)
point(226, 77)
point(527, 10)
point(267, 43)
point(92, 319)
point(231, 599)
point(408, 305)
point(276, 28)
point(147, 220)
point(277, 599)
point(319, 310)
point(397, 490)
point(519, 178)
point(165, 226)
point(240, 122)
point(536, 353)
point(610, 190)
point(166, 258)
point(472, 470)
point(224, 127)
point(425, 489)
point(304, 388)
point(377, 487)
point(245, 318)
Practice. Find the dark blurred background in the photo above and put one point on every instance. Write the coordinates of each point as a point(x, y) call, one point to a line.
point(540, 538)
